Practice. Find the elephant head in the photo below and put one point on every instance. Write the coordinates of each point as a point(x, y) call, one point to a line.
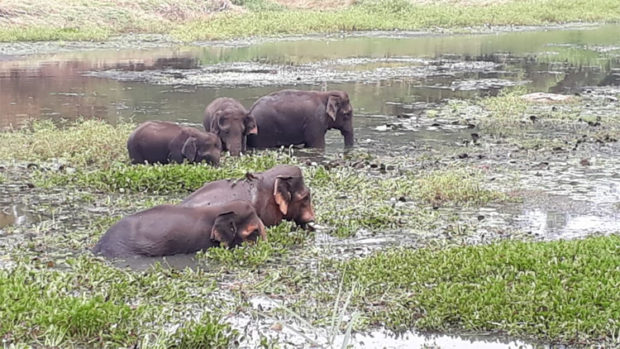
point(232, 128)
point(340, 114)
point(240, 224)
point(293, 199)
point(195, 146)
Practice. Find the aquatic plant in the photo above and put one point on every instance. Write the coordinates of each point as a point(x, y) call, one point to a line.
point(560, 290)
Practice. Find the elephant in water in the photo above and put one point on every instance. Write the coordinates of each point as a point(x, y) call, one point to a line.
point(292, 117)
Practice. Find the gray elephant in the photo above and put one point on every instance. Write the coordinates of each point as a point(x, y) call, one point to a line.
point(276, 194)
point(229, 119)
point(292, 117)
point(164, 142)
point(169, 229)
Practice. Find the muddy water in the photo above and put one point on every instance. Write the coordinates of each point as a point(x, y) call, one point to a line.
point(386, 75)
point(394, 81)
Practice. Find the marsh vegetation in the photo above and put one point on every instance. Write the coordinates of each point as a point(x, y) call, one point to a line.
point(464, 207)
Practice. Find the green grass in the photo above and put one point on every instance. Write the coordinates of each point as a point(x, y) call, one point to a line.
point(35, 305)
point(348, 200)
point(81, 144)
point(507, 105)
point(87, 303)
point(561, 291)
point(280, 239)
point(174, 178)
point(397, 14)
point(202, 20)
point(37, 33)
point(208, 332)
point(460, 186)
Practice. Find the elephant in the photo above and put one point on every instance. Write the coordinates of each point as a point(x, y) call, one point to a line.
point(292, 117)
point(171, 229)
point(164, 142)
point(276, 194)
point(229, 119)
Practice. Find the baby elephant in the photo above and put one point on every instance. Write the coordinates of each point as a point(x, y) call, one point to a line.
point(276, 194)
point(164, 142)
point(168, 229)
point(229, 119)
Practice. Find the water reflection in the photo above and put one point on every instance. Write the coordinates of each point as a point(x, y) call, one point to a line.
point(12, 215)
point(54, 86)
point(383, 339)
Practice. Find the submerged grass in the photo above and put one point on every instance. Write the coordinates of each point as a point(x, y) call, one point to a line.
point(562, 291)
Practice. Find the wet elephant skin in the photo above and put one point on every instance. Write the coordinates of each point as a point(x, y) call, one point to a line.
point(276, 194)
point(164, 142)
point(168, 229)
point(229, 119)
point(293, 117)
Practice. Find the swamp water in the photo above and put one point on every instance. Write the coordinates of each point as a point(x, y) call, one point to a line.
point(415, 106)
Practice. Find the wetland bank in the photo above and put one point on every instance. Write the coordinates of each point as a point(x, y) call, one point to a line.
point(464, 208)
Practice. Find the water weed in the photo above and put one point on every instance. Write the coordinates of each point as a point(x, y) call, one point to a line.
point(157, 178)
point(560, 290)
point(280, 239)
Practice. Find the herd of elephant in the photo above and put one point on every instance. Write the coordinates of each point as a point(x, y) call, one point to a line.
point(231, 211)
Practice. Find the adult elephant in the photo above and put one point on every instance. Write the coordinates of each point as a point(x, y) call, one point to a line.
point(169, 229)
point(276, 194)
point(164, 142)
point(229, 119)
point(292, 117)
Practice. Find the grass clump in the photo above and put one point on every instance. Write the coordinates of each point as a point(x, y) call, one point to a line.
point(454, 186)
point(562, 291)
point(36, 306)
point(83, 143)
point(348, 201)
point(208, 332)
point(507, 105)
point(172, 178)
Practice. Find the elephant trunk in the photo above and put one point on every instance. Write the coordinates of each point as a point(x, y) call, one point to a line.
point(234, 149)
point(233, 145)
point(347, 132)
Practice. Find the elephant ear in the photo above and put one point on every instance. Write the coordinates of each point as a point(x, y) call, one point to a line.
point(224, 228)
point(215, 122)
point(282, 193)
point(250, 124)
point(332, 106)
point(189, 149)
point(176, 145)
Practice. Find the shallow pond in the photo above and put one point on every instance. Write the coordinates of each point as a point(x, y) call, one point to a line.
point(403, 87)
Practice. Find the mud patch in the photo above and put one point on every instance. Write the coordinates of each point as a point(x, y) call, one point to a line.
point(332, 71)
